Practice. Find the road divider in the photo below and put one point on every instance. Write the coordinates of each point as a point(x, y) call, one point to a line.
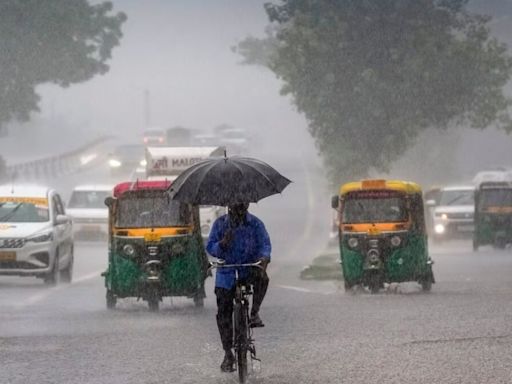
point(58, 165)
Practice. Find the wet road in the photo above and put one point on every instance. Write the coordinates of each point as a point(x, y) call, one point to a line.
point(315, 333)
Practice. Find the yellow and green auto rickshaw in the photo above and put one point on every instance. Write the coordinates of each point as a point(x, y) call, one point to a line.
point(382, 236)
point(493, 215)
point(155, 246)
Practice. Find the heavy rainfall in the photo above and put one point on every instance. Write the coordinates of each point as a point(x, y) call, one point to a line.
point(380, 163)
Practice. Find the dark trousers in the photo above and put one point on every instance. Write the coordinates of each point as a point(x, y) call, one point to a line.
point(259, 281)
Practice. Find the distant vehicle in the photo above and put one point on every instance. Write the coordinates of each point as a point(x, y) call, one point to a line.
point(36, 236)
point(179, 137)
point(454, 214)
point(235, 140)
point(205, 140)
point(126, 158)
point(87, 208)
point(154, 137)
point(493, 215)
point(171, 161)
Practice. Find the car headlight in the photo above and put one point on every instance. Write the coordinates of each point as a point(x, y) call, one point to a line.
point(42, 238)
point(439, 228)
point(444, 216)
point(114, 163)
point(396, 241)
point(143, 163)
point(129, 250)
point(353, 242)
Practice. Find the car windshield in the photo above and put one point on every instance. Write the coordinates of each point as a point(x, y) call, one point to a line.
point(88, 199)
point(151, 211)
point(374, 209)
point(496, 198)
point(24, 211)
point(457, 197)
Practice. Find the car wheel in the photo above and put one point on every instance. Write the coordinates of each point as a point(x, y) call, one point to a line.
point(53, 277)
point(66, 275)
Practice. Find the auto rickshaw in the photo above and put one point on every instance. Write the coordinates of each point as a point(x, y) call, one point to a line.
point(155, 246)
point(493, 215)
point(382, 236)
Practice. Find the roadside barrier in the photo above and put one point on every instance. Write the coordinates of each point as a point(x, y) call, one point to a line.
point(56, 166)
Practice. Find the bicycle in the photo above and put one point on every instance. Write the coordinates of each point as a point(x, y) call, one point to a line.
point(244, 341)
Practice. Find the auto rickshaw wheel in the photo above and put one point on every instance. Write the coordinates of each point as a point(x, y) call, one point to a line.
point(500, 242)
point(198, 301)
point(426, 284)
point(374, 283)
point(153, 303)
point(111, 299)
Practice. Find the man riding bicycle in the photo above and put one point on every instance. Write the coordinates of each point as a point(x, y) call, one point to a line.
point(238, 238)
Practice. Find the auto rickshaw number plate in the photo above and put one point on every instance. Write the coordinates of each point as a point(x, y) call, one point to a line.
point(152, 237)
point(7, 256)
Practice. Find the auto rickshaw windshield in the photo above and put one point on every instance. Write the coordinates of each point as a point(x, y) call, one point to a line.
point(374, 209)
point(152, 211)
point(495, 198)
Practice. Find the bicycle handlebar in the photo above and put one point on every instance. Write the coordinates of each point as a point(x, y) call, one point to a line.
point(220, 264)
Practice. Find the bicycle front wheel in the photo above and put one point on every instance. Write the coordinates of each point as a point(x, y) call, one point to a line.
point(242, 340)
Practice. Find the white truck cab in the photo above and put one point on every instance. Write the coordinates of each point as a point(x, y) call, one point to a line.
point(166, 163)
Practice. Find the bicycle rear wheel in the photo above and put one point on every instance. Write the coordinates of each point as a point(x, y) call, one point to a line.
point(241, 340)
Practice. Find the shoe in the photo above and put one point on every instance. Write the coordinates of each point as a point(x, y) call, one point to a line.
point(255, 321)
point(228, 364)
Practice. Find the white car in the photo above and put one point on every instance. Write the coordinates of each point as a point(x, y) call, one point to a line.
point(453, 216)
point(36, 236)
point(208, 214)
point(87, 208)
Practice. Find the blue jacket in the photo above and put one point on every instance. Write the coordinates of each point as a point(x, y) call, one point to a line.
point(250, 243)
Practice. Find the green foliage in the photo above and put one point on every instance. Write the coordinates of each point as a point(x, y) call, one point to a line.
point(370, 75)
point(51, 41)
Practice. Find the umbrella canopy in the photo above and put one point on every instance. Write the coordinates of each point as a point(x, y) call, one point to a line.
point(227, 180)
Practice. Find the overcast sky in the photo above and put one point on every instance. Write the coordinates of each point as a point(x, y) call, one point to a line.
point(180, 52)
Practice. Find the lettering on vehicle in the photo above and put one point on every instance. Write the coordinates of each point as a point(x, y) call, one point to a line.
point(163, 163)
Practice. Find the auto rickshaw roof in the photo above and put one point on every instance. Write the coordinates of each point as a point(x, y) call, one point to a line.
point(121, 188)
point(407, 187)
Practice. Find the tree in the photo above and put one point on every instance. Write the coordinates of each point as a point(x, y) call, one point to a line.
point(51, 41)
point(370, 75)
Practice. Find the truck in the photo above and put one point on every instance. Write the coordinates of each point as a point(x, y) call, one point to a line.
point(166, 163)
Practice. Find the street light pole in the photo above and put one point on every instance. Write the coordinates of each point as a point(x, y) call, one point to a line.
point(147, 110)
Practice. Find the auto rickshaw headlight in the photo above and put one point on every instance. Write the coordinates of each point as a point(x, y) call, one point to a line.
point(129, 250)
point(396, 241)
point(353, 242)
point(439, 228)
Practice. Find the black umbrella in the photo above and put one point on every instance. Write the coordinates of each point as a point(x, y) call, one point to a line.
point(227, 180)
